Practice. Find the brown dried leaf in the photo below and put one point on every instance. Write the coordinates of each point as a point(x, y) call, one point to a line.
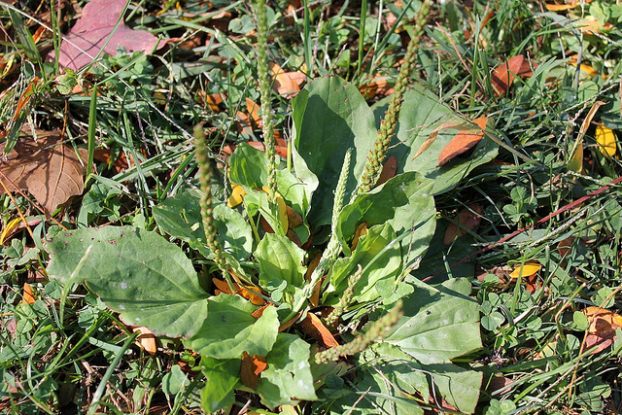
point(463, 141)
point(389, 169)
point(48, 169)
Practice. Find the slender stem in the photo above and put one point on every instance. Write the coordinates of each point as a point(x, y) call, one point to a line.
point(377, 154)
point(265, 92)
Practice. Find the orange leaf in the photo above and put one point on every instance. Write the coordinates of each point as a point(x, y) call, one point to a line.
point(504, 74)
point(313, 327)
point(287, 84)
point(254, 111)
point(251, 368)
point(560, 7)
point(462, 142)
point(28, 296)
point(602, 329)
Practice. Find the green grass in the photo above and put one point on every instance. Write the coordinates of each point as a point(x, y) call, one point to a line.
point(82, 359)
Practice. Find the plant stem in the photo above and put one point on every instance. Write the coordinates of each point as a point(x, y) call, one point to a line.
point(265, 90)
point(206, 204)
point(376, 155)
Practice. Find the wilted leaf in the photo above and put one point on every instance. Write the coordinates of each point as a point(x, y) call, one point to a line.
point(526, 270)
point(463, 141)
point(504, 74)
point(48, 169)
point(9, 229)
point(389, 169)
point(97, 30)
point(606, 139)
point(312, 326)
point(236, 197)
point(287, 84)
point(602, 330)
point(552, 7)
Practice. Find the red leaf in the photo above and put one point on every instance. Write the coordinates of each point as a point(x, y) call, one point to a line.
point(97, 30)
point(504, 74)
point(467, 220)
point(462, 142)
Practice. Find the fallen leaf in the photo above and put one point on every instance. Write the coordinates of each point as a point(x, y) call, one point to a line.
point(560, 7)
point(564, 247)
point(526, 270)
point(606, 139)
point(237, 196)
point(376, 87)
point(254, 110)
point(463, 141)
point(28, 294)
point(503, 75)
point(576, 161)
point(389, 169)
point(251, 294)
point(10, 228)
point(146, 340)
point(97, 30)
point(48, 169)
point(602, 329)
point(592, 26)
point(313, 327)
point(287, 84)
point(251, 368)
point(466, 221)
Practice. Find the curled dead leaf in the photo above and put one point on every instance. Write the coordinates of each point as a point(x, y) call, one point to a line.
point(528, 269)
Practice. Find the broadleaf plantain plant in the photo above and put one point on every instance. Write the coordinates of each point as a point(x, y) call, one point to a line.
point(319, 240)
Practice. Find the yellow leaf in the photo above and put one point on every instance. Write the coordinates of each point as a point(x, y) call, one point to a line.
point(526, 270)
point(576, 161)
point(9, 229)
point(606, 139)
point(146, 340)
point(237, 196)
point(560, 7)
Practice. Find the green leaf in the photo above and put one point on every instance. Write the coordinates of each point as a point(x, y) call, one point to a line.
point(248, 167)
point(459, 387)
point(280, 260)
point(138, 273)
point(222, 378)
point(421, 115)
point(229, 329)
point(378, 255)
point(180, 217)
point(403, 202)
point(331, 116)
point(288, 378)
point(439, 323)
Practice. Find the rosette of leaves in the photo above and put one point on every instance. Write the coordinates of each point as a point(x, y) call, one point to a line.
point(151, 281)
